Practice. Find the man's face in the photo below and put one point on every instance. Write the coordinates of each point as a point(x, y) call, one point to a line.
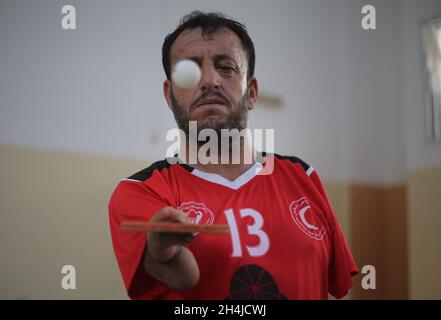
point(224, 95)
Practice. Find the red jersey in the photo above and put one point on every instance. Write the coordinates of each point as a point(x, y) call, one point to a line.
point(284, 242)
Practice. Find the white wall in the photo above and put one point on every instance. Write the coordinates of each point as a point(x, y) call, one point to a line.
point(95, 89)
point(98, 89)
point(353, 98)
point(369, 87)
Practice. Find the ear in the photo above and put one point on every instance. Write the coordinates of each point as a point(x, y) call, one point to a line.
point(167, 91)
point(253, 88)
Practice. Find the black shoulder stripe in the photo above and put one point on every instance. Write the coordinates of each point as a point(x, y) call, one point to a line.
point(294, 160)
point(143, 175)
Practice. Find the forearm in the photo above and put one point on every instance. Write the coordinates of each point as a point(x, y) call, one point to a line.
point(181, 272)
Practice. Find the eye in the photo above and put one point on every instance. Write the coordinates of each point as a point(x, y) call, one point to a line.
point(226, 69)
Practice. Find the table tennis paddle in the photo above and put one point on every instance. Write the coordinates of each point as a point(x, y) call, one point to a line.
point(173, 227)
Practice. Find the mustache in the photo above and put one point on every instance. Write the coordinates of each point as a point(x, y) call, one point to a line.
point(208, 95)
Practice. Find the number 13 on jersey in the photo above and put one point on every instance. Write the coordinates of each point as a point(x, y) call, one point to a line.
point(253, 229)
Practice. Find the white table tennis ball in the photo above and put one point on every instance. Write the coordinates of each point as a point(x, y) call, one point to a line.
point(186, 74)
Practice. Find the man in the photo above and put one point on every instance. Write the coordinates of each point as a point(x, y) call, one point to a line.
point(284, 240)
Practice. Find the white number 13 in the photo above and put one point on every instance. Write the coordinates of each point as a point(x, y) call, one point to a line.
point(253, 229)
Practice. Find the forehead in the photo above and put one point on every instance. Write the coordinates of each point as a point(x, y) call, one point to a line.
point(192, 43)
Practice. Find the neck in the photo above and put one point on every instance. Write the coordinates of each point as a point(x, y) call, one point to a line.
point(229, 163)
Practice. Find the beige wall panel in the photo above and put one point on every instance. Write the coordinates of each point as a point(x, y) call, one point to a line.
point(338, 194)
point(379, 238)
point(396, 243)
point(54, 212)
point(368, 237)
point(424, 203)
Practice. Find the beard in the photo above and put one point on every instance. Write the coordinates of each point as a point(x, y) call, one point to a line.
point(237, 119)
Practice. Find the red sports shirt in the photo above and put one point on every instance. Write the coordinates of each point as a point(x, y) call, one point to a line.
point(284, 242)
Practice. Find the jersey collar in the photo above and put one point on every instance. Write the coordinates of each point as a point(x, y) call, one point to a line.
point(245, 177)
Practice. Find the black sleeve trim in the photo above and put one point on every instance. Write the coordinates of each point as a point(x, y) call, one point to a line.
point(304, 165)
point(146, 173)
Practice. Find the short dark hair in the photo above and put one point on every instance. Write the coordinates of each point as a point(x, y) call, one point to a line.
point(209, 22)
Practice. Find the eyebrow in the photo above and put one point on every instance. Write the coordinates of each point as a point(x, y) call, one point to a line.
point(217, 58)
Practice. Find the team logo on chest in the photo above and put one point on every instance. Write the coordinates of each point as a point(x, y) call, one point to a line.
point(302, 213)
point(197, 212)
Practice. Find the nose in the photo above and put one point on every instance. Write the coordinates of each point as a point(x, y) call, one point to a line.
point(210, 78)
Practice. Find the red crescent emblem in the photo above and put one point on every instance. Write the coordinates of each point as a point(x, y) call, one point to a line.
point(302, 213)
